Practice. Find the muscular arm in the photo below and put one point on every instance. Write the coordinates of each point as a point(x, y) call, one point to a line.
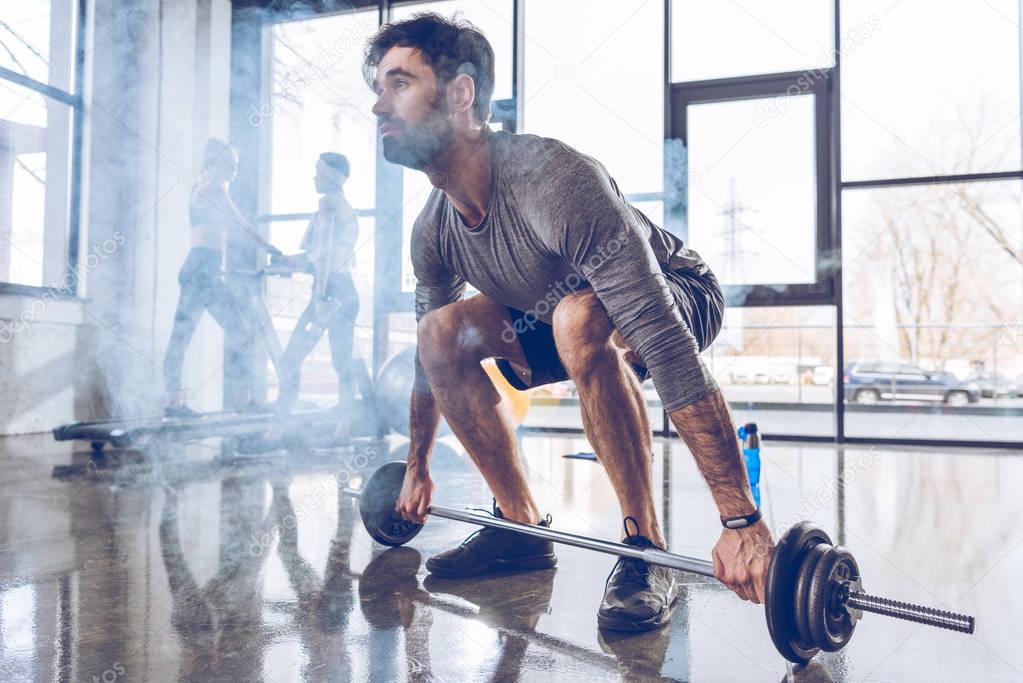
point(436, 286)
point(706, 427)
point(424, 417)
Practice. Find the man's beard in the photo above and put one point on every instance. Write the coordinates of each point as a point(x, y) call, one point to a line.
point(418, 145)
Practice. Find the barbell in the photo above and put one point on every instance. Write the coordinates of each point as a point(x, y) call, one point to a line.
point(815, 592)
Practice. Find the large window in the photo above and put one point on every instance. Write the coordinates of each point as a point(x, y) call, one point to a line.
point(38, 111)
point(854, 183)
point(746, 37)
point(911, 106)
point(928, 197)
point(932, 229)
point(934, 296)
point(319, 103)
point(753, 197)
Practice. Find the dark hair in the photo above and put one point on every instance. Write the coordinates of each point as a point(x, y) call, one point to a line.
point(338, 162)
point(450, 46)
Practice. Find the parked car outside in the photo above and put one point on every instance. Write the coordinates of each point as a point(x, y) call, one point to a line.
point(823, 375)
point(869, 382)
point(992, 385)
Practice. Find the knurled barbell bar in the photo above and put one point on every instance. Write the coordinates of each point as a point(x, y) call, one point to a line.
point(814, 596)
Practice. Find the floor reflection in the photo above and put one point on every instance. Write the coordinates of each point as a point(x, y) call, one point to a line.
point(184, 566)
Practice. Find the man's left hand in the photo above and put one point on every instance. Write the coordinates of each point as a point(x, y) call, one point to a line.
point(742, 558)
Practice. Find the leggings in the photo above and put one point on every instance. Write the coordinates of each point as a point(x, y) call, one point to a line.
point(203, 288)
point(335, 314)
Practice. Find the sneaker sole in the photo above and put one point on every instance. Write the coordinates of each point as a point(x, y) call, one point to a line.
point(622, 622)
point(494, 566)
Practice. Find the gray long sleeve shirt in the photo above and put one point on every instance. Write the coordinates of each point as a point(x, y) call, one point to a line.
point(557, 223)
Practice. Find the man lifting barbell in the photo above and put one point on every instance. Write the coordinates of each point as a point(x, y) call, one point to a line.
point(575, 283)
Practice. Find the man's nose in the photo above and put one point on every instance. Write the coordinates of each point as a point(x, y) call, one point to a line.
point(381, 106)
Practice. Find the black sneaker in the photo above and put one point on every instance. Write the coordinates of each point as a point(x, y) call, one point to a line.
point(638, 596)
point(489, 550)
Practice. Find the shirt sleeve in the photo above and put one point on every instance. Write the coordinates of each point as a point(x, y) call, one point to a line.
point(436, 284)
point(586, 221)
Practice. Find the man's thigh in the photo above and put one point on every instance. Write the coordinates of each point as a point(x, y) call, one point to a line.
point(482, 327)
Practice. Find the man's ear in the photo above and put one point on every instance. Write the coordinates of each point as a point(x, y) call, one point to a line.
point(461, 93)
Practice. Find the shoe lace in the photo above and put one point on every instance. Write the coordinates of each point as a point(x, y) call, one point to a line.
point(493, 513)
point(633, 569)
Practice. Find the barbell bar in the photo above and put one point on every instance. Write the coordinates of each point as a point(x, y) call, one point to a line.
point(829, 602)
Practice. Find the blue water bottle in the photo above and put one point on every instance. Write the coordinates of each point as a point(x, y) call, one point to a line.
point(750, 439)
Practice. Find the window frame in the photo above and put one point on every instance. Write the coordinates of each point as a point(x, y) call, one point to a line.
point(822, 290)
point(76, 101)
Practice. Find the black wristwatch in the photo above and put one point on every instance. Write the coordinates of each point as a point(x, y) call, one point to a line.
point(741, 521)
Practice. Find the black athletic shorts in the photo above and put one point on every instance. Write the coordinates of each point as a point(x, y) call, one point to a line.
point(699, 300)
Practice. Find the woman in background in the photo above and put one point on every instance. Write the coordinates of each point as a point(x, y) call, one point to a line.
point(214, 219)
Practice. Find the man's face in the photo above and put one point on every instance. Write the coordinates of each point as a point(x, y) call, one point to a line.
point(410, 109)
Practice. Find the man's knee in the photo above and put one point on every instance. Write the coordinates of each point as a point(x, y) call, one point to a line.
point(582, 328)
point(446, 338)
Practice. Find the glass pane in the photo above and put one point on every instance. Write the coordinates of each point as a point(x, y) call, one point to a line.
point(34, 187)
point(911, 106)
point(287, 298)
point(38, 41)
point(933, 310)
point(753, 190)
point(495, 18)
point(600, 87)
point(745, 37)
point(320, 104)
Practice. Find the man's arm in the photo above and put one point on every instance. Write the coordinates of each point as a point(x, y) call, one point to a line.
point(436, 286)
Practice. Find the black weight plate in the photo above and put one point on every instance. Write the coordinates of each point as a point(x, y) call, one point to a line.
point(830, 624)
point(802, 592)
point(376, 506)
point(781, 584)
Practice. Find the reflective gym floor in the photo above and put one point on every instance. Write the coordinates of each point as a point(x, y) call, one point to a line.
point(182, 566)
